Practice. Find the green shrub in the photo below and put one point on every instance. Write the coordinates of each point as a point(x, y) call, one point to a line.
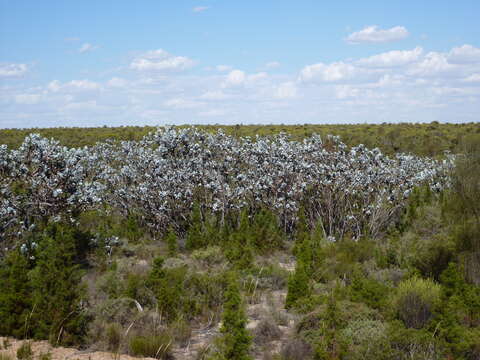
point(369, 291)
point(25, 352)
point(235, 340)
point(58, 293)
point(15, 295)
point(366, 339)
point(168, 287)
point(415, 300)
point(211, 255)
point(113, 337)
point(298, 286)
point(172, 242)
point(45, 356)
point(154, 346)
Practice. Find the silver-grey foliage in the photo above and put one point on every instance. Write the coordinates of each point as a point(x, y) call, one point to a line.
point(351, 190)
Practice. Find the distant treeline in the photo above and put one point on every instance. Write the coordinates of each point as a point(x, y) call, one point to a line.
point(430, 139)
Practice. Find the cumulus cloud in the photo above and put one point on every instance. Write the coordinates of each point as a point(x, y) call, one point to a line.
point(235, 78)
point(373, 34)
point(392, 58)
point(464, 54)
point(117, 82)
point(87, 48)
point(198, 9)
point(337, 71)
point(399, 85)
point(286, 90)
point(10, 70)
point(161, 60)
point(74, 85)
point(432, 64)
point(238, 78)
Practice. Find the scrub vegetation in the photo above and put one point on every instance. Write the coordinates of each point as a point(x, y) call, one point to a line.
point(193, 243)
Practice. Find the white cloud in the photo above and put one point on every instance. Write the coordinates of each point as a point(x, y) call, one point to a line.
point(161, 60)
point(321, 72)
point(235, 78)
point(392, 58)
point(272, 65)
point(432, 64)
point(223, 68)
point(74, 85)
point(214, 95)
point(464, 54)
point(213, 113)
point(373, 34)
point(117, 82)
point(87, 48)
point(400, 85)
point(28, 99)
point(180, 103)
point(12, 70)
point(474, 78)
point(198, 9)
point(286, 90)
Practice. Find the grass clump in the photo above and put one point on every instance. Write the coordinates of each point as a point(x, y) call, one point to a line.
point(25, 351)
point(154, 346)
point(415, 301)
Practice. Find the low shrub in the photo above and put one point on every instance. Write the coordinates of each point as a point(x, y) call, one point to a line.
point(45, 356)
point(154, 346)
point(266, 331)
point(25, 351)
point(415, 301)
point(366, 339)
point(296, 349)
point(113, 337)
point(211, 255)
point(4, 356)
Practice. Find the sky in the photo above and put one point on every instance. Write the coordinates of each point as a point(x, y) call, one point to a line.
point(95, 63)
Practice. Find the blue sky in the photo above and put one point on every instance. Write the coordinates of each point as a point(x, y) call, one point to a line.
point(91, 63)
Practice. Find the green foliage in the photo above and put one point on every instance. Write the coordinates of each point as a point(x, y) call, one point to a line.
point(369, 291)
point(113, 337)
point(211, 255)
point(172, 242)
point(57, 293)
point(25, 352)
point(415, 301)
point(366, 339)
point(195, 238)
point(235, 341)
point(167, 285)
point(45, 356)
point(265, 233)
point(154, 346)
point(298, 286)
point(239, 248)
point(15, 290)
point(421, 139)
